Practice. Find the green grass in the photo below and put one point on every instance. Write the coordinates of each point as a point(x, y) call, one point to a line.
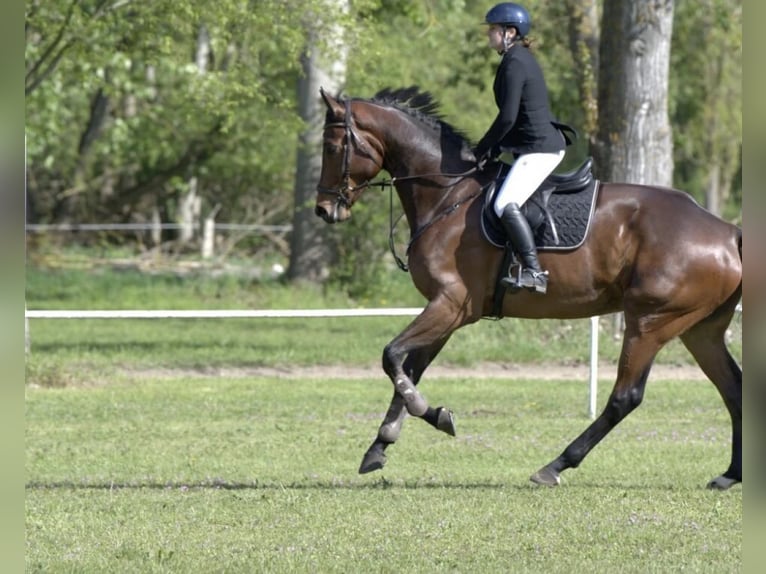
point(259, 475)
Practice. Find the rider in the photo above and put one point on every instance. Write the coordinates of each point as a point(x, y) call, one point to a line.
point(524, 127)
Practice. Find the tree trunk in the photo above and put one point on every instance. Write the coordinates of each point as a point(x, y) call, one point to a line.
point(155, 234)
point(712, 189)
point(721, 97)
point(310, 255)
point(189, 206)
point(584, 42)
point(635, 139)
point(190, 203)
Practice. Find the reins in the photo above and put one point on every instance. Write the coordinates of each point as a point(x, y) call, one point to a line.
point(343, 191)
point(422, 229)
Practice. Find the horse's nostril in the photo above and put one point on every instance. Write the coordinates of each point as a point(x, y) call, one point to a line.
point(320, 211)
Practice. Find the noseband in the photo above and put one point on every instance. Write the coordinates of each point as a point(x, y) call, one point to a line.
point(351, 137)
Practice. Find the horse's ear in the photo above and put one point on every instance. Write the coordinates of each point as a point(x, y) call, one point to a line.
point(331, 103)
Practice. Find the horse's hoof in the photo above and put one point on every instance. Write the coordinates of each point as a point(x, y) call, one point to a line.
point(373, 460)
point(445, 421)
point(546, 477)
point(722, 483)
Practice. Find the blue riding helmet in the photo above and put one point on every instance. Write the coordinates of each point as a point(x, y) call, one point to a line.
point(510, 14)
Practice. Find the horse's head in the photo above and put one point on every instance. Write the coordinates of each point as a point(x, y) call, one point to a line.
point(349, 162)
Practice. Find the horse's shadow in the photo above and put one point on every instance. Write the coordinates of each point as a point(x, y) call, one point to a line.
point(379, 484)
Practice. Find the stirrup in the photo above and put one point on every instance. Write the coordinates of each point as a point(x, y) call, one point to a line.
point(539, 281)
point(527, 279)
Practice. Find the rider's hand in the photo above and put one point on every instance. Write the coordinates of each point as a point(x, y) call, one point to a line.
point(482, 157)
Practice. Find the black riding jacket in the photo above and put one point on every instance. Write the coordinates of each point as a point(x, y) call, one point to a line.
point(524, 122)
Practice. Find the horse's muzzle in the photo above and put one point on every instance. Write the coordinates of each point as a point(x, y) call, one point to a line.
point(322, 212)
point(332, 212)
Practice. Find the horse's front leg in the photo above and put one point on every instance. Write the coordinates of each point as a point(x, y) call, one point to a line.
point(391, 427)
point(404, 361)
point(388, 433)
point(407, 357)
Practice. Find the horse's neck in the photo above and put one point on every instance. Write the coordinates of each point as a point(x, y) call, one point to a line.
point(408, 153)
point(409, 157)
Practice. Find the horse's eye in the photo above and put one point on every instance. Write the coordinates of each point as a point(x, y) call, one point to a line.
point(331, 148)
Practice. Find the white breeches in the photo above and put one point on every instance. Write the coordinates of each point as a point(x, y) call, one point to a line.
point(526, 175)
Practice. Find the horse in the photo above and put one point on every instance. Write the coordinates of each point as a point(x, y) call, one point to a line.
point(653, 253)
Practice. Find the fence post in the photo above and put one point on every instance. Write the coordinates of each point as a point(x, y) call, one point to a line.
point(208, 238)
point(593, 392)
point(208, 234)
point(156, 227)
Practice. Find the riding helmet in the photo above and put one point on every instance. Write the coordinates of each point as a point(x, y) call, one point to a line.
point(510, 14)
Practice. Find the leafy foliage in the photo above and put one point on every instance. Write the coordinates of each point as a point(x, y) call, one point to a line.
point(707, 99)
point(121, 113)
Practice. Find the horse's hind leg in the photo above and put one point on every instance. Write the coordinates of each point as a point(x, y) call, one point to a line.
point(706, 343)
point(638, 352)
point(391, 427)
point(641, 344)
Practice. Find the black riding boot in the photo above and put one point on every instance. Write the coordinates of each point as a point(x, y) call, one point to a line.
point(530, 276)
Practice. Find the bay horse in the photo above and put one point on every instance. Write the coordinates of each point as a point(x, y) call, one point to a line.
point(672, 268)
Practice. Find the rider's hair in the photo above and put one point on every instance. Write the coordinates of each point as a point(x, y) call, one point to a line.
point(526, 41)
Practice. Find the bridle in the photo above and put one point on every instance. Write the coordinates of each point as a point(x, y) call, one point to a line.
point(350, 138)
point(344, 191)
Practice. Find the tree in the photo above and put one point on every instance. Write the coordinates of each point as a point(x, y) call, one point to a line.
point(121, 125)
point(148, 123)
point(584, 39)
point(635, 138)
point(323, 65)
point(706, 89)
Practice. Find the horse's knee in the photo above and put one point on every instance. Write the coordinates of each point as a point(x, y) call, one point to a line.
point(621, 403)
point(390, 359)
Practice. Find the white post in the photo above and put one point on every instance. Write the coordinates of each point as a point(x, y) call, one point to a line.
point(208, 238)
point(593, 393)
point(208, 234)
point(156, 227)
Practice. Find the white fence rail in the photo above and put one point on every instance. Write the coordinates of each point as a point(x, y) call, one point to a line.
point(224, 314)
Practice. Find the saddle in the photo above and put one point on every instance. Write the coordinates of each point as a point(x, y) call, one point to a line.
point(558, 213)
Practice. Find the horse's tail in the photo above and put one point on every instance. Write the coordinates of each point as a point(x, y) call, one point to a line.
point(739, 242)
point(739, 248)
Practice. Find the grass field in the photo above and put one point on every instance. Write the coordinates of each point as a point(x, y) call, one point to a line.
point(258, 475)
point(128, 470)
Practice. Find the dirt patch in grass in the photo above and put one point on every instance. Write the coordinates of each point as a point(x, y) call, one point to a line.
point(481, 371)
